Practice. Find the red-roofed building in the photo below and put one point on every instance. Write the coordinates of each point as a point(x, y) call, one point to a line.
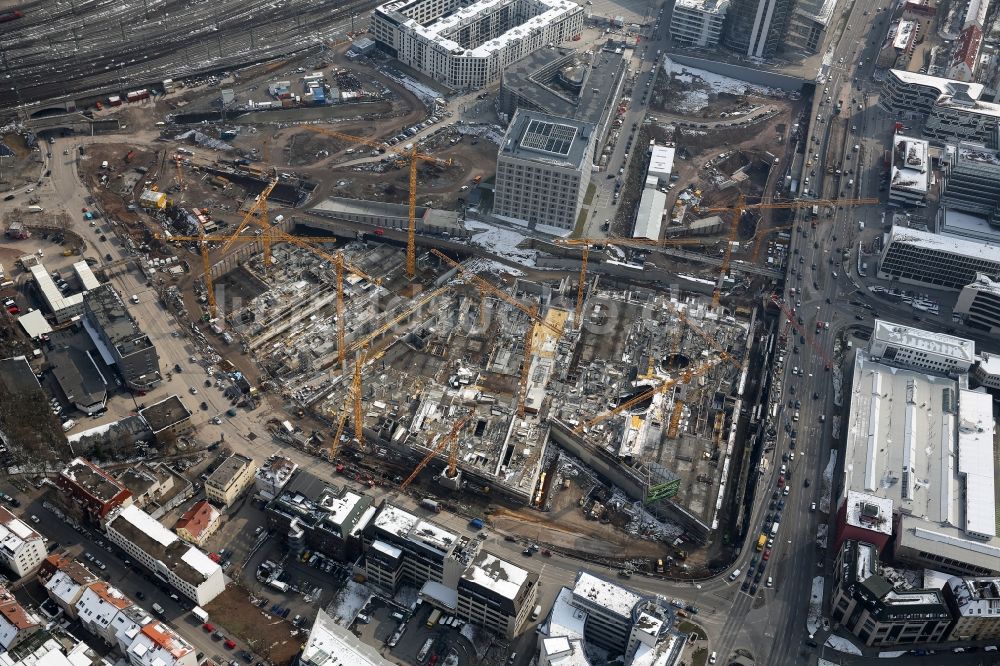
point(91, 491)
point(16, 624)
point(966, 60)
point(198, 523)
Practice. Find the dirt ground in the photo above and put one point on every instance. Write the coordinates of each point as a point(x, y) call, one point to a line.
point(267, 635)
point(22, 166)
point(566, 529)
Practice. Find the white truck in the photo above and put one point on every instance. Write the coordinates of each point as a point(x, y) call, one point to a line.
point(200, 613)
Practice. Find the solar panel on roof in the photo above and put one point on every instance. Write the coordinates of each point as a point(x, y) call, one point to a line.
point(548, 137)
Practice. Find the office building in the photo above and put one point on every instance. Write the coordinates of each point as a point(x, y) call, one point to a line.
point(910, 173)
point(313, 515)
point(953, 110)
point(89, 492)
point(698, 22)
point(175, 562)
point(452, 571)
point(867, 605)
point(496, 594)
point(79, 378)
point(567, 84)
point(543, 170)
point(16, 624)
point(627, 626)
point(808, 24)
point(971, 183)
point(119, 339)
point(329, 644)
point(467, 46)
point(922, 441)
point(979, 304)
point(273, 476)
point(230, 479)
point(910, 347)
point(975, 606)
point(919, 257)
point(756, 28)
point(63, 307)
point(198, 523)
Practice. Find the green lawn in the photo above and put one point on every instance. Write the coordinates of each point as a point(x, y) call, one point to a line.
point(699, 657)
point(689, 627)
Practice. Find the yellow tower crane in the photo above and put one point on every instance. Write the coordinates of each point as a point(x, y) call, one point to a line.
point(483, 285)
point(737, 214)
point(442, 443)
point(415, 158)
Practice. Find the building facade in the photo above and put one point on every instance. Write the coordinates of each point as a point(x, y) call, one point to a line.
point(912, 256)
point(543, 170)
point(698, 22)
point(757, 28)
point(496, 594)
point(467, 46)
point(90, 489)
point(808, 24)
point(910, 347)
point(119, 339)
point(312, 515)
point(198, 523)
point(230, 479)
point(273, 475)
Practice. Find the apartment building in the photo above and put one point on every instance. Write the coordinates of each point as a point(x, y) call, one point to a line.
point(175, 562)
point(16, 624)
point(975, 605)
point(953, 109)
point(808, 24)
point(119, 340)
point(65, 580)
point(97, 608)
point(22, 549)
point(965, 61)
point(919, 257)
point(468, 45)
point(543, 170)
point(198, 523)
point(757, 28)
point(698, 22)
point(230, 479)
point(867, 605)
point(89, 491)
point(979, 304)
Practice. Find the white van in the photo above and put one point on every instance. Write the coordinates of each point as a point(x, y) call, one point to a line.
point(713, 657)
point(535, 613)
point(734, 575)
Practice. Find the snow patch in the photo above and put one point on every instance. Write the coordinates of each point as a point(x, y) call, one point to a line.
point(703, 84)
point(841, 644)
point(891, 654)
point(826, 492)
point(348, 603)
point(501, 242)
point(814, 619)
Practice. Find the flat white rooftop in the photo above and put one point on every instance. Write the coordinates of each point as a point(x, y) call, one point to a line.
point(903, 32)
point(706, 6)
point(959, 246)
point(607, 595)
point(900, 335)
point(870, 512)
point(909, 164)
point(904, 445)
point(649, 220)
point(661, 161)
point(944, 86)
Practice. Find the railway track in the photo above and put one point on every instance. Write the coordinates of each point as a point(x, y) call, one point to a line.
point(66, 48)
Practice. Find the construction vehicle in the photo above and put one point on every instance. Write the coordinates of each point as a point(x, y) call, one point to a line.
point(737, 215)
point(414, 158)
